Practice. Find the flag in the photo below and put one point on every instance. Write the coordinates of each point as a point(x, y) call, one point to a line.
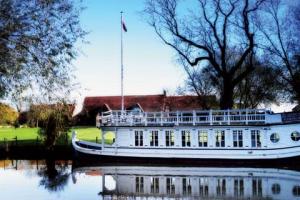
point(124, 26)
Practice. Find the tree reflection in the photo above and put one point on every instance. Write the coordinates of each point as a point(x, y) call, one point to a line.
point(55, 176)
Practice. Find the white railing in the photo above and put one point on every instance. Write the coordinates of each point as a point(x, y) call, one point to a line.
point(195, 117)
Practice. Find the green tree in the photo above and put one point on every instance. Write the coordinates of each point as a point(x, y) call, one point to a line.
point(37, 40)
point(37, 114)
point(8, 115)
point(57, 122)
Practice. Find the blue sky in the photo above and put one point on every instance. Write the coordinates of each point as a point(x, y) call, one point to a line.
point(149, 64)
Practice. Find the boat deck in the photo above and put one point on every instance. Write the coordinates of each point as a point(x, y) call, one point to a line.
point(191, 118)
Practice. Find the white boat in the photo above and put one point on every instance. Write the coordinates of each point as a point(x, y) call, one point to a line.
point(149, 182)
point(250, 134)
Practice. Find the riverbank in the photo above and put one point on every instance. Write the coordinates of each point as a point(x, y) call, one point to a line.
point(26, 143)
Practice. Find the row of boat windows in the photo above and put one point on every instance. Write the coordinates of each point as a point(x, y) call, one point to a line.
point(220, 187)
point(202, 138)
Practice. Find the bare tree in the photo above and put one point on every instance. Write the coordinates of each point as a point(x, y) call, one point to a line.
point(198, 83)
point(280, 39)
point(205, 34)
point(261, 87)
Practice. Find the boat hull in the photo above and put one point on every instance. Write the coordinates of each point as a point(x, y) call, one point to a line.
point(213, 154)
point(138, 142)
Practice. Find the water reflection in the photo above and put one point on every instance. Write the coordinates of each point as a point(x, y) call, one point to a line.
point(51, 179)
point(55, 175)
point(193, 183)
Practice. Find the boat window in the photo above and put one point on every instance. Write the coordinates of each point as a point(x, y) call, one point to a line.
point(237, 138)
point(186, 186)
point(221, 187)
point(295, 136)
point(296, 191)
point(203, 138)
point(138, 138)
point(274, 137)
point(220, 138)
point(276, 188)
point(154, 138)
point(203, 186)
point(170, 186)
point(139, 184)
point(256, 187)
point(255, 138)
point(170, 138)
point(238, 187)
point(154, 185)
point(186, 138)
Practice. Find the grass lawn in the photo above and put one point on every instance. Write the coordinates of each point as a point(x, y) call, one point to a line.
point(21, 133)
point(30, 134)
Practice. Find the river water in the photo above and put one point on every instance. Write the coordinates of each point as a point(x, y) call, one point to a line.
point(49, 179)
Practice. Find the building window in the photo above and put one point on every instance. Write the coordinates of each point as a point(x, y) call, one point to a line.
point(171, 186)
point(256, 187)
point(139, 184)
point(295, 136)
point(170, 138)
point(138, 138)
point(237, 138)
point(186, 186)
point(238, 187)
point(154, 138)
point(203, 138)
point(274, 137)
point(203, 187)
point(276, 188)
point(220, 138)
point(221, 187)
point(154, 185)
point(255, 138)
point(186, 138)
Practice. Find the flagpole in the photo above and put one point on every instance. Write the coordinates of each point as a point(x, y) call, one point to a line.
point(122, 68)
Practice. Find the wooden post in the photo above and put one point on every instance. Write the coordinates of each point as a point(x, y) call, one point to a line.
point(6, 145)
point(16, 141)
point(102, 140)
point(66, 138)
point(96, 139)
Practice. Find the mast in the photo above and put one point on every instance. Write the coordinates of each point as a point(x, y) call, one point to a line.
point(122, 68)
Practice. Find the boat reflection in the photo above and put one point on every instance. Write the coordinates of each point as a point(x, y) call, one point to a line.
point(127, 182)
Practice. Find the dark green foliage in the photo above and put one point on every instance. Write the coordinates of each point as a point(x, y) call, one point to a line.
point(8, 115)
point(56, 124)
point(37, 40)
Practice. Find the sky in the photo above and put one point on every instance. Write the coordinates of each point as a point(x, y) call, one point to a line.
point(149, 65)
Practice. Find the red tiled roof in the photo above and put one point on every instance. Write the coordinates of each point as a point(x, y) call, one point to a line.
point(147, 102)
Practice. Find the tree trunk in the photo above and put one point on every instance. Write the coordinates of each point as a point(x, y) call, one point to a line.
point(226, 99)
